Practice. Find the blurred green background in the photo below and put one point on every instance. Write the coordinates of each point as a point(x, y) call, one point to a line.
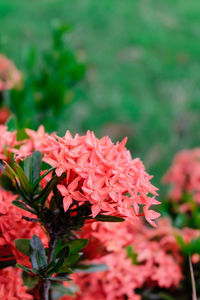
point(142, 68)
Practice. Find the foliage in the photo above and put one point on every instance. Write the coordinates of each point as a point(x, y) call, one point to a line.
point(48, 85)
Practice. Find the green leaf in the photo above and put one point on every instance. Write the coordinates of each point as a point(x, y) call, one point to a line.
point(165, 296)
point(7, 183)
point(46, 191)
point(23, 245)
point(131, 254)
point(91, 268)
point(27, 270)
point(59, 278)
point(41, 177)
point(23, 206)
point(56, 267)
point(32, 167)
point(23, 180)
point(194, 246)
point(104, 218)
point(66, 269)
point(9, 171)
point(22, 135)
point(182, 244)
point(61, 251)
point(72, 259)
point(22, 193)
point(77, 245)
point(38, 256)
point(12, 123)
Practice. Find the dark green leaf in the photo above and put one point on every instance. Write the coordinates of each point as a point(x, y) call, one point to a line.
point(38, 256)
point(62, 251)
point(72, 259)
point(25, 269)
point(104, 218)
point(66, 269)
point(60, 278)
point(23, 245)
point(7, 183)
point(32, 167)
point(41, 177)
point(27, 167)
point(22, 206)
point(46, 191)
point(77, 245)
point(9, 171)
point(23, 180)
point(22, 193)
point(56, 267)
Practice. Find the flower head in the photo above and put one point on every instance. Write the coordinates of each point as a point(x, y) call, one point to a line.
point(100, 173)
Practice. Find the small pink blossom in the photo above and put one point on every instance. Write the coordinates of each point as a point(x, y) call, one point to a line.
point(11, 285)
point(10, 77)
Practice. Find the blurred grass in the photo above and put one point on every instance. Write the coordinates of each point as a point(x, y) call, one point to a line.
point(143, 76)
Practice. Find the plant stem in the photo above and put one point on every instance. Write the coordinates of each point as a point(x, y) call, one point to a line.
point(46, 283)
point(45, 290)
point(194, 293)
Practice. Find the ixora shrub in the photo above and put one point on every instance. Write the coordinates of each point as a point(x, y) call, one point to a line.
point(54, 192)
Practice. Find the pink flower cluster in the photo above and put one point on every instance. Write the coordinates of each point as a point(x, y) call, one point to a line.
point(184, 175)
point(98, 172)
point(9, 75)
point(158, 260)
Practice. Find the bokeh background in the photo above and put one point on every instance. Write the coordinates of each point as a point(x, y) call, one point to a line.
point(142, 69)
